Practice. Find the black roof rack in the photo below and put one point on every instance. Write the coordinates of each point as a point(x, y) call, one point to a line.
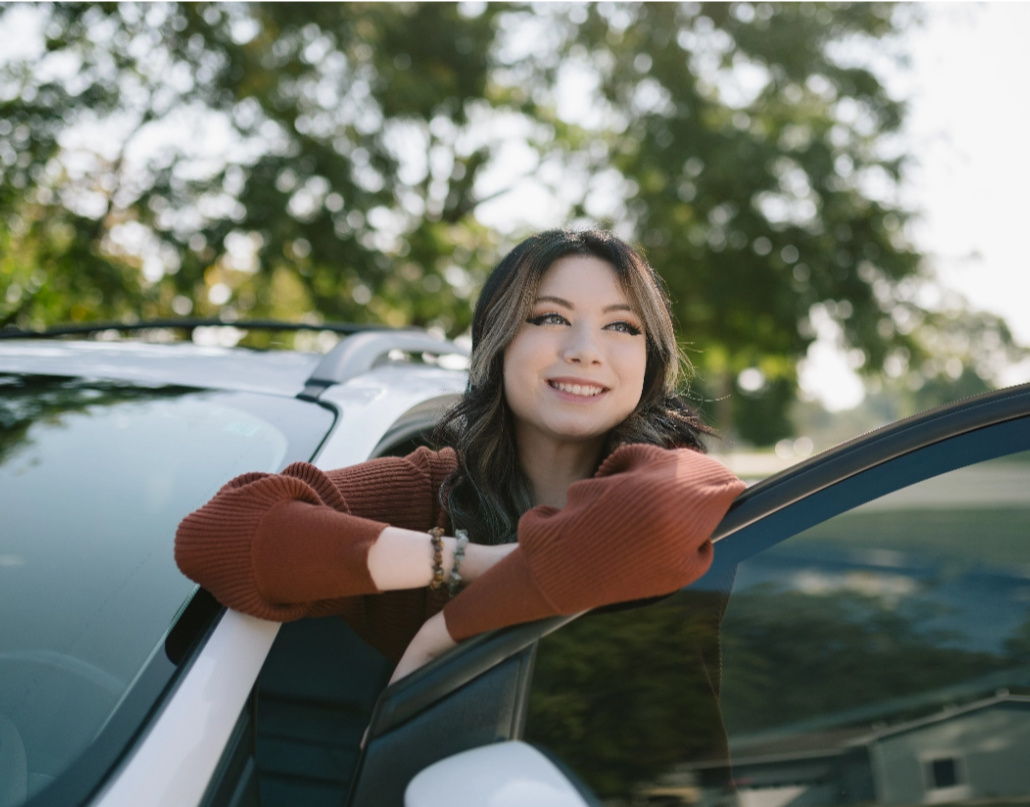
point(87, 328)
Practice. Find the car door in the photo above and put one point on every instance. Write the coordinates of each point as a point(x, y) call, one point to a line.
point(863, 637)
point(876, 640)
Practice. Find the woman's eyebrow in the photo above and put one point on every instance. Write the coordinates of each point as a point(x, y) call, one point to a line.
point(547, 298)
point(560, 301)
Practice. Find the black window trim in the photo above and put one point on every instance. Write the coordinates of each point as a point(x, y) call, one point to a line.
point(941, 456)
point(871, 450)
point(930, 770)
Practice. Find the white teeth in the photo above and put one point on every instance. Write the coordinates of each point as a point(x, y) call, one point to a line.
point(577, 389)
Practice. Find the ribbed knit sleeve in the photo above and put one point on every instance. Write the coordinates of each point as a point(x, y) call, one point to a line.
point(640, 528)
point(284, 546)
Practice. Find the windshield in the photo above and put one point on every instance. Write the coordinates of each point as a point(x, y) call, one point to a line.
point(94, 478)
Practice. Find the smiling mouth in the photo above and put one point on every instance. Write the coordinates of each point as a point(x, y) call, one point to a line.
point(583, 390)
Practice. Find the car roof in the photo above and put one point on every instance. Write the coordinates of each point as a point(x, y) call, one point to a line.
point(278, 372)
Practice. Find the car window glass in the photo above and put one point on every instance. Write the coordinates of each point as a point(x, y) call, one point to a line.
point(895, 634)
point(624, 696)
point(94, 478)
point(883, 656)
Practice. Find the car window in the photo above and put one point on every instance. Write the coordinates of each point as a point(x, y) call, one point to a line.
point(94, 478)
point(884, 655)
point(625, 695)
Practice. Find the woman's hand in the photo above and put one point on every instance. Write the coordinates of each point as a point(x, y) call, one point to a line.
point(431, 641)
point(433, 638)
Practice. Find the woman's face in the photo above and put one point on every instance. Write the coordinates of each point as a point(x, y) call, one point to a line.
point(575, 369)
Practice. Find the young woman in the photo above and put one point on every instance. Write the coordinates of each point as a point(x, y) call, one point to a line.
point(570, 462)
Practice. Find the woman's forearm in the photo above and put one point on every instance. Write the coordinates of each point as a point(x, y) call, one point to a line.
point(404, 559)
point(401, 559)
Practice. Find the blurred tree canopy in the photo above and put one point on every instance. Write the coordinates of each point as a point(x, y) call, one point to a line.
point(334, 161)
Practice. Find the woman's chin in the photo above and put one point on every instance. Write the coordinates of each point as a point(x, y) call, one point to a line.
point(580, 432)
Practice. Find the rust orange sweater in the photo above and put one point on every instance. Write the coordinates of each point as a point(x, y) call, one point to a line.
point(284, 546)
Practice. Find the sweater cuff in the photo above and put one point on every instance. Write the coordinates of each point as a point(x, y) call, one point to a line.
point(506, 595)
point(304, 553)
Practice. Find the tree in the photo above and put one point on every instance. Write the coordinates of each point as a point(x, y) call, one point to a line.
point(332, 161)
point(753, 146)
point(244, 160)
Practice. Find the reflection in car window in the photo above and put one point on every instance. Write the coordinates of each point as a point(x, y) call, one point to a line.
point(94, 478)
point(626, 696)
point(884, 655)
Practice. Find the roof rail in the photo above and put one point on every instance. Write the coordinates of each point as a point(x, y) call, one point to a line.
point(360, 352)
point(11, 332)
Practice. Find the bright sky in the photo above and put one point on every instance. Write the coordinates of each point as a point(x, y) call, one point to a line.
point(968, 127)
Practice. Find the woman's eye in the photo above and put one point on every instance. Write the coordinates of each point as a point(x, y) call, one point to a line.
point(626, 327)
point(548, 319)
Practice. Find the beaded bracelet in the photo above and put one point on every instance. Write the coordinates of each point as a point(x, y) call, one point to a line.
point(437, 541)
point(454, 583)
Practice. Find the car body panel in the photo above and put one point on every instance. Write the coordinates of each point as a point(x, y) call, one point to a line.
point(897, 456)
point(208, 367)
point(930, 578)
point(371, 403)
point(511, 774)
point(174, 761)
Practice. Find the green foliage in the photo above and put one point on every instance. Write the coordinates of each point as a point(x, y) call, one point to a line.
point(306, 208)
point(331, 161)
point(748, 171)
point(625, 697)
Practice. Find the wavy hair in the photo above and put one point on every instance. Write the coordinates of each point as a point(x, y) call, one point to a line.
point(488, 490)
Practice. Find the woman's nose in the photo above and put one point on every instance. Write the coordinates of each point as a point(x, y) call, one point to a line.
point(581, 347)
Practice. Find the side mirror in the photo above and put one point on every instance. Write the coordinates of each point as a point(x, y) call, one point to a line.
point(506, 774)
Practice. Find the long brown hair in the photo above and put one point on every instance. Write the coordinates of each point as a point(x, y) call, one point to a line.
point(488, 491)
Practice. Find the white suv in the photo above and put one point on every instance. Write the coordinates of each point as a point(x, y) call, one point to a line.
point(862, 637)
